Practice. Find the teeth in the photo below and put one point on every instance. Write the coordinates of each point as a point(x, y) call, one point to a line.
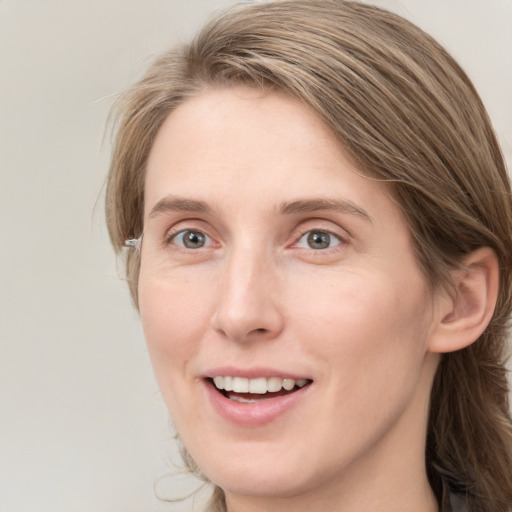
point(274, 384)
point(258, 386)
point(228, 383)
point(288, 384)
point(240, 385)
point(244, 400)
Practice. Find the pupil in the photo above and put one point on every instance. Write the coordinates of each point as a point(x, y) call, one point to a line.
point(319, 240)
point(193, 239)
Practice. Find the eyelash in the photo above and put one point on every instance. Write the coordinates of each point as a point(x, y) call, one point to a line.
point(172, 237)
point(324, 235)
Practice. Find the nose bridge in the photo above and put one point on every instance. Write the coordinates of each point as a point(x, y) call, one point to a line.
point(247, 301)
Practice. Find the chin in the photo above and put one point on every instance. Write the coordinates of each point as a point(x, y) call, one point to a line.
point(262, 484)
point(264, 472)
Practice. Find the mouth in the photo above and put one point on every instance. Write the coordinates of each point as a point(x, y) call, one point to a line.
point(248, 391)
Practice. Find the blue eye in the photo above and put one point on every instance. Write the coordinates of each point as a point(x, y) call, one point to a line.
point(317, 239)
point(191, 239)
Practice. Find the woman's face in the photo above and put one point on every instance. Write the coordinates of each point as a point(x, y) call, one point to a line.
point(270, 265)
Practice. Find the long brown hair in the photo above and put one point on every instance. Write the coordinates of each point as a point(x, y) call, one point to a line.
point(408, 115)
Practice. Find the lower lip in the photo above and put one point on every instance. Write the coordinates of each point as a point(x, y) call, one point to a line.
point(253, 414)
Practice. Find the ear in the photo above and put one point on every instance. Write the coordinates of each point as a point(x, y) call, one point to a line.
point(464, 313)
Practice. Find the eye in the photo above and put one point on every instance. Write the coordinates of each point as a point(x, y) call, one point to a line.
point(190, 239)
point(317, 239)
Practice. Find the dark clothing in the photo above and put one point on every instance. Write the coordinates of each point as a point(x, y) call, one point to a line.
point(449, 502)
point(456, 504)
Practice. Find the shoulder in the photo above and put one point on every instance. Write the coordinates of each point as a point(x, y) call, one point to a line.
point(457, 504)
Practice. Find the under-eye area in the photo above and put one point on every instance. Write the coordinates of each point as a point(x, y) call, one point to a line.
point(244, 390)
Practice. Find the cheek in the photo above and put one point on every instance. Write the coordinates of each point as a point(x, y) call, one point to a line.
point(368, 325)
point(371, 337)
point(173, 323)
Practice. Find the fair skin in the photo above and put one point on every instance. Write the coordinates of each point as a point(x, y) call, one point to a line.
point(267, 255)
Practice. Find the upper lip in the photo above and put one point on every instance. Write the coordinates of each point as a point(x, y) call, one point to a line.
point(252, 373)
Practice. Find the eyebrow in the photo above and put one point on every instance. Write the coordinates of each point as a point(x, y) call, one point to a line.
point(323, 204)
point(179, 204)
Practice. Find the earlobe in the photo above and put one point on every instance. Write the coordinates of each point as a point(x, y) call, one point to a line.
point(463, 315)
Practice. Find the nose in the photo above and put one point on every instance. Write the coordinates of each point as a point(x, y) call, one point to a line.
point(247, 308)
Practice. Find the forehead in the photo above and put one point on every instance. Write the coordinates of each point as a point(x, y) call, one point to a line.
point(229, 123)
point(244, 147)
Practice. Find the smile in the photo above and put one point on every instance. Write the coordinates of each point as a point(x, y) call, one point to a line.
point(258, 386)
point(244, 390)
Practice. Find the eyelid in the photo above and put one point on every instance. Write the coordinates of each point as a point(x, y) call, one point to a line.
point(308, 225)
point(185, 225)
point(174, 236)
point(339, 239)
point(324, 225)
point(336, 244)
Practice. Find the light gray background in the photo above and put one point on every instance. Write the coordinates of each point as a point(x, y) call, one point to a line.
point(82, 425)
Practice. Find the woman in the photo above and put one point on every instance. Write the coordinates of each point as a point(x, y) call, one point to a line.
point(318, 222)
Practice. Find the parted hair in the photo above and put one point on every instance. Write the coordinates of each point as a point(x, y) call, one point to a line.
point(408, 115)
